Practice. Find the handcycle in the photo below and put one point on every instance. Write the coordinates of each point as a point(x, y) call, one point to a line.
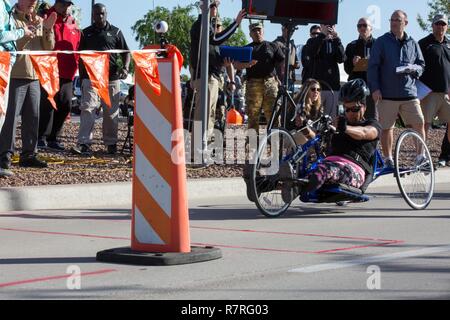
point(413, 170)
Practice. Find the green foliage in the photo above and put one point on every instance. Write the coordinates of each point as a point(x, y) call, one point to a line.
point(180, 21)
point(436, 6)
point(238, 39)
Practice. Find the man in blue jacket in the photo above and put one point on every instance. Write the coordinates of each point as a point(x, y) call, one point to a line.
point(396, 62)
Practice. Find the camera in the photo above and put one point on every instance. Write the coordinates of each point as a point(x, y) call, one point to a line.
point(161, 27)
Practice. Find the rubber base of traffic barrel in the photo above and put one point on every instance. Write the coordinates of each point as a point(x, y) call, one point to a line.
point(128, 256)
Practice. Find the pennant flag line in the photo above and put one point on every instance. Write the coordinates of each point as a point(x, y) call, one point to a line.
point(45, 64)
point(97, 67)
point(46, 68)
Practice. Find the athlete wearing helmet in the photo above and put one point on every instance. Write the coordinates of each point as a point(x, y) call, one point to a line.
point(352, 147)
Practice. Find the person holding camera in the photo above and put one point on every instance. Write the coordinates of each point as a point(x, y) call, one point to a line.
point(101, 36)
point(306, 59)
point(326, 52)
point(67, 37)
point(294, 62)
point(24, 89)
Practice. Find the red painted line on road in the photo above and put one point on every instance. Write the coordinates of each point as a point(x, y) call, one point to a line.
point(359, 247)
point(299, 251)
point(378, 244)
point(28, 281)
point(250, 248)
point(295, 234)
point(64, 234)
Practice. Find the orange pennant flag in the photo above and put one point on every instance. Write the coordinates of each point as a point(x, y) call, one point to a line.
point(5, 60)
point(97, 67)
point(46, 67)
point(173, 50)
point(147, 66)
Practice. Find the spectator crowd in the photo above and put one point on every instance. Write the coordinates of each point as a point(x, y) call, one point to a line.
point(24, 27)
point(406, 78)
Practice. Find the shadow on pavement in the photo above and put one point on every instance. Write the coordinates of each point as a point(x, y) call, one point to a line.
point(67, 260)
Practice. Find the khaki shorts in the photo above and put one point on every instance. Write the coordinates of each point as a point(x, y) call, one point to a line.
point(436, 104)
point(389, 110)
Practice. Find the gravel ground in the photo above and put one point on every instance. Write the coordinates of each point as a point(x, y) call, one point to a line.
point(66, 168)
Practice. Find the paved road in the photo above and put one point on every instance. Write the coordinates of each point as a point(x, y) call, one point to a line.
point(313, 252)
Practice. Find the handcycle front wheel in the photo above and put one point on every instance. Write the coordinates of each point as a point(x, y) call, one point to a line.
point(414, 170)
point(265, 181)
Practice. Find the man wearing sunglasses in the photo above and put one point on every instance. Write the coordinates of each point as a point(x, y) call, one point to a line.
point(356, 52)
point(395, 63)
point(352, 147)
point(436, 51)
point(314, 32)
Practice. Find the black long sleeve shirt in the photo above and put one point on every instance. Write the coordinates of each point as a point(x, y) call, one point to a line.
point(215, 40)
point(437, 63)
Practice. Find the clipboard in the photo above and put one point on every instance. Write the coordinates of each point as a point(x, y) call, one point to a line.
point(362, 65)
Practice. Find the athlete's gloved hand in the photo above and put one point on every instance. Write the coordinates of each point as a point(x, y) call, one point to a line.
point(342, 124)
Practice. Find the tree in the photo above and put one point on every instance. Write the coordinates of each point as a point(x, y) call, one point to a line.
point(436, 6)
point(238, 39)
point(180, 21)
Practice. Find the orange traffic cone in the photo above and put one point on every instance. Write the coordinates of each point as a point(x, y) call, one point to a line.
point(160, 220)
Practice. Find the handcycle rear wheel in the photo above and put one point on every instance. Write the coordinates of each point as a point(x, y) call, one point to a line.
point(265, 181)
point(414, 170)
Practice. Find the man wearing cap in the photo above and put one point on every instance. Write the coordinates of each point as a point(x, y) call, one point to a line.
point(67, 37)
point(294, 62)
point(436, 52)
point(262, 81)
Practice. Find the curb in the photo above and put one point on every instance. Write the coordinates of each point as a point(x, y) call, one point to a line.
point(119, 194)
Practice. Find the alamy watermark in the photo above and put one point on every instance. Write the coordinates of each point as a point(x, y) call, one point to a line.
point(74, 280)
point(374, 281)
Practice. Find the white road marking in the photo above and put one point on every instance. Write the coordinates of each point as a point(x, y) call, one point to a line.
point(371, 260)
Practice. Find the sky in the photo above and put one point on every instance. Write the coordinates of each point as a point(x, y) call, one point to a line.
point(124, 14)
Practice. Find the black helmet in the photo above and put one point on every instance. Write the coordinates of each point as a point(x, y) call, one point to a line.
point(354, 91)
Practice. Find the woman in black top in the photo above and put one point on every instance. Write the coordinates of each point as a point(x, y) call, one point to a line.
point(352, 147)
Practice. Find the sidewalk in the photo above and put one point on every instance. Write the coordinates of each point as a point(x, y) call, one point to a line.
point(119, 194)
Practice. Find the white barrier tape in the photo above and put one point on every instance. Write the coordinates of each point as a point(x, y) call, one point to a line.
point(41, 53)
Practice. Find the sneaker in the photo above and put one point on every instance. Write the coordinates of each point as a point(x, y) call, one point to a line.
point(41, 145)
point(389, 163)
point(112, 149)
point(55, 145)
point(82, 149)
point(442, 162)
point(32, 162)
point(5, 173)
point(5, 165)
